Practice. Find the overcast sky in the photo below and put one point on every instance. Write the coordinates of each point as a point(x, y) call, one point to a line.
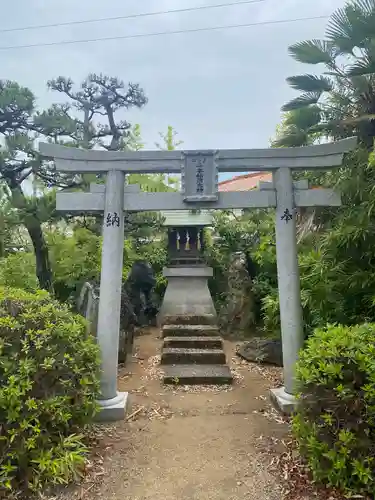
point(218, 89)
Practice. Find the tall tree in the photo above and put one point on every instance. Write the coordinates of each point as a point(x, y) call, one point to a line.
point(144, 226)
point(134, 141)
point(86, 120)
point(11, 234)
point(18, 161)
point(170, 143)
point(342, 99)
point(97, 96)
point(155, 182)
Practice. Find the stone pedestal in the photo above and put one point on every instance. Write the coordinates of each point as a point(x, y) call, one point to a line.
point(113, 410)
point(187, 299)
point(285, 403)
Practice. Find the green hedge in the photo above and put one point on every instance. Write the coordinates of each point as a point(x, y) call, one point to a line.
point(18, 270)
point(48, 386)
point(335, 423)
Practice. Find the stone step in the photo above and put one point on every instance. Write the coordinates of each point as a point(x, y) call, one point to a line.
point(197, 374)
point(194, 342)
point(186, 319)
point(189, 330)
point(174, 356)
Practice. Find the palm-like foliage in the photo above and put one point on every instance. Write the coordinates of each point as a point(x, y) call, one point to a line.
point(295, 128)
point(345, 93)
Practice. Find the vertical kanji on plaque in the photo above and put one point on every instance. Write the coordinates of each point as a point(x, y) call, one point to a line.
point(199, 178)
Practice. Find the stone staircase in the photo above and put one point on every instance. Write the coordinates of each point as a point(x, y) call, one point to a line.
point(193, 349)
point(193, 354)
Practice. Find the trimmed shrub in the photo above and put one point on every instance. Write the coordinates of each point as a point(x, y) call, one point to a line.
point(48, 386)
point(335, 422)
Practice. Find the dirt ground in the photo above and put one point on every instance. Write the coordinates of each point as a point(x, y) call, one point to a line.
point(188, 443)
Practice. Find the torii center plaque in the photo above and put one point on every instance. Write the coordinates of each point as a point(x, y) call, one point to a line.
point(199, 177)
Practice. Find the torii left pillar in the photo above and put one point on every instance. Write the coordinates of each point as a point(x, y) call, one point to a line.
point(112, 403)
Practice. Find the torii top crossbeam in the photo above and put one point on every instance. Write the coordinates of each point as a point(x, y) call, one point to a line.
point(226, 160)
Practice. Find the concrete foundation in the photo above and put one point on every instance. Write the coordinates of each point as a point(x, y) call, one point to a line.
point(187, 297)
point(114, 409)
point(283, 402)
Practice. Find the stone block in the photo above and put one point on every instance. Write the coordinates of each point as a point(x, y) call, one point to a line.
point(113, 410)
point(197, 375)
point(186, 319)
point(283, 402)
point(188, 272)
point(262, 350)
point(178, 330)
point(171, 356)
point(187, 299)
point(193, 342)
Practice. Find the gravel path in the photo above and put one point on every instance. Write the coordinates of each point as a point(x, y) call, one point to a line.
point(187, 443)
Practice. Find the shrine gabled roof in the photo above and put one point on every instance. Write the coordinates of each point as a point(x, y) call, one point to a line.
point(176, 218)
point(244, 182)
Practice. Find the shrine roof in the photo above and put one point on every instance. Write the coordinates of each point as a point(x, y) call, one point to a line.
point(244, 182)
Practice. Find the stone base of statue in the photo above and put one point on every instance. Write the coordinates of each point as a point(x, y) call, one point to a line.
point(113, 409)
point(187, 297)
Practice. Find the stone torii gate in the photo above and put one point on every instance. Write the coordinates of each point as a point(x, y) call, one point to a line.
point(199, 174)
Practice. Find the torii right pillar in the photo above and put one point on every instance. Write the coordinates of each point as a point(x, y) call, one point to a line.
point(289, 287)
point(288, 198)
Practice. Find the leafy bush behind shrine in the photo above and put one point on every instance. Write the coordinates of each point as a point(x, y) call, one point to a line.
point(75, 258)
point(49, 372)
point(336, 252)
